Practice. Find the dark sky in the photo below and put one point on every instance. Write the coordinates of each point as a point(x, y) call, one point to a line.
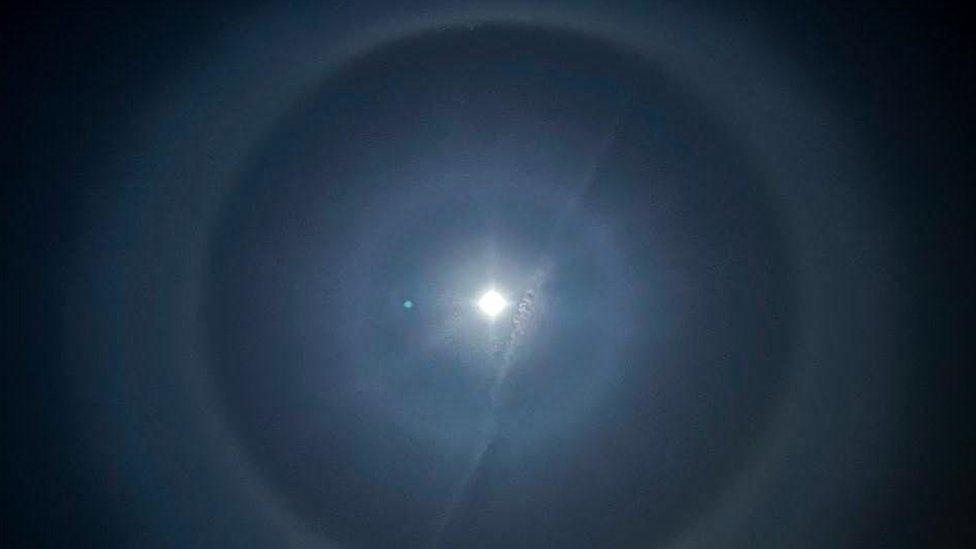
point(734, 243)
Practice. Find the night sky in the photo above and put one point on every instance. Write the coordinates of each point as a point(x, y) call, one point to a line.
point(246, 248)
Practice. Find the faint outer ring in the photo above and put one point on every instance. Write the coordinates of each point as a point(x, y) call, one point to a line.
point(180, 162)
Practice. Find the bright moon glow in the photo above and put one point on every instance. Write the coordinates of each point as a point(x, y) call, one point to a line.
point(492, 303)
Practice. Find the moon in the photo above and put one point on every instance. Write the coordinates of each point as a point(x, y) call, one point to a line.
point(492, 303)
